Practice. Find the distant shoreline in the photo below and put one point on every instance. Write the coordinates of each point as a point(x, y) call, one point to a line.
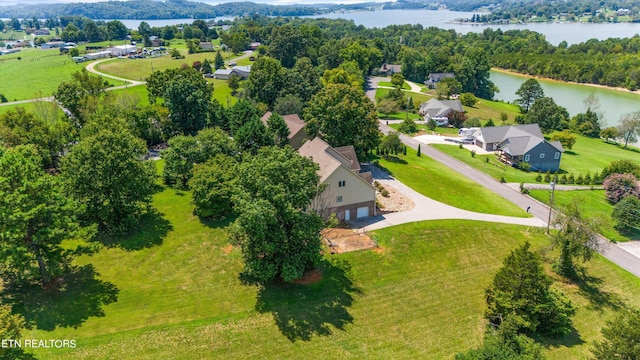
point(511, 72)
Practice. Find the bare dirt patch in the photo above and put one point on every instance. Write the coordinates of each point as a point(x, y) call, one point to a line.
point(345, 240)
point(310, 277)
point(396, 201)
point(227, 249)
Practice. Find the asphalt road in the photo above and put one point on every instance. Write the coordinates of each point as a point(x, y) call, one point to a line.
point(609, 250)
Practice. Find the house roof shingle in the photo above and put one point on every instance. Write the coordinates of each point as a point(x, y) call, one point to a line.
point(293, 121)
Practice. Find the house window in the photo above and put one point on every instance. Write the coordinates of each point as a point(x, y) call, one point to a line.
point(338, 199)
point(527, 157)
point(557, 156)
point(542, 156)
point(342, 183)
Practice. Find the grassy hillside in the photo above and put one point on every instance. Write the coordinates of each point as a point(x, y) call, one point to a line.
point(37, 73)
point(420, 296)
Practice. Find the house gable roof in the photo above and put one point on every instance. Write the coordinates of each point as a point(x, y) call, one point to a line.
point(440, 108)
point(293, 121)
point(494, 134)
point(328, 158)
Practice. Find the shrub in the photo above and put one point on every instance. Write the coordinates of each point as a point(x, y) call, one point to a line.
point(587, 179)
point(597, 179)
point(524, 166)
point(539, 178)
point(547, 177)
point(473, 122)
point(571, 179)
point(580, 180)
point(473, 153)
point(408, 126)
point(619, 186)
point(502, 180)
point(384, 192)
point(563, 179)
point(626, 213)
point(431, 124)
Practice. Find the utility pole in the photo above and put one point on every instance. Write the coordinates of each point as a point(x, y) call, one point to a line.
point(553, 188)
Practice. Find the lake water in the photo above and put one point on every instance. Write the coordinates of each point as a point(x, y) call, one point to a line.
point(573, 33)
point(613, 103)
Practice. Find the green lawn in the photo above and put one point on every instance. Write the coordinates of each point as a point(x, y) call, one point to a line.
point(587, 156)
point(405, 86)
point(486, 109)
point(417, 98)
point(593, 204)
point(440, 183)
point(421, 297)
point(140, 69)
point(36, 74)
point(28, 107)
point(494, 168)
point(592, 155)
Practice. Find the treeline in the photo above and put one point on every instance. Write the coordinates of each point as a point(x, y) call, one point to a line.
point(570, 10)
point(148, 9)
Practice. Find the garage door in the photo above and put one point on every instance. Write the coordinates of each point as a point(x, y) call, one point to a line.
point(362, 212)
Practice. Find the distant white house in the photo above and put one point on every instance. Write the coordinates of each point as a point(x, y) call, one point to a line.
point(439, 110)
point(122, 50)
point(98, 55)
point(225, 74)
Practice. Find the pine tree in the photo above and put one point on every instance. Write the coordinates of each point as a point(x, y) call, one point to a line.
point(219, 61)
point(418, 150)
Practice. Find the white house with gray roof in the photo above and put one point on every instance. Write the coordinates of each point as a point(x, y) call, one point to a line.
point(439, 110)
point(520, 143)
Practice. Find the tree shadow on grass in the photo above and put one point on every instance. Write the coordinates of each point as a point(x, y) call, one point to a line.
point(573, 338)
point(590, 288)
point(301, 311)
point(80, 295)
point(150, 231)
point(215, 224)
point(394, 159)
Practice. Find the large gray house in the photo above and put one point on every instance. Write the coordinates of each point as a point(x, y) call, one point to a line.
point(520, 143)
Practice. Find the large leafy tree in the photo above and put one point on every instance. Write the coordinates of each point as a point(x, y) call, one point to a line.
point(22, 127)
point(522, 291)
point(343, 115)
point(213, 185)
point(79, 94)
point(35, 217)
point(287, 44)
point(187, 96)
point(106, 173)
point(547, 115)
point(473, 73)
point(186, 151)
point(266, 80)
point(626, 213)
point(621, 337)
point(576, 237)
point(528, 93)
point(276, 230)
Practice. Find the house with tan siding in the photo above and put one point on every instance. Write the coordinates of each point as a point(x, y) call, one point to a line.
point(349, 193)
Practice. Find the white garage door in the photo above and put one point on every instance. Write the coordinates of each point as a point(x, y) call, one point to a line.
point(362, 212)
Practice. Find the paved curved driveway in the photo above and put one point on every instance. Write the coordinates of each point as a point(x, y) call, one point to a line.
point(428, 209)
point(91, 68)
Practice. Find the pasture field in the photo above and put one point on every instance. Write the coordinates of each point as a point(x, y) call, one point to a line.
point(38, 73)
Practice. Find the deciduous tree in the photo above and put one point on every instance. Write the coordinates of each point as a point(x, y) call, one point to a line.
point(576, 237)
point(212, 186)
point(35, 217)
point(528, 93)
point(276, 230)
point(566, 138)
point(626, 213)
point(547, 115)
point(629, 128)
point(619, 186)
point(278, 129)
point(107, 175)
point(266, 80)
point(343, 115)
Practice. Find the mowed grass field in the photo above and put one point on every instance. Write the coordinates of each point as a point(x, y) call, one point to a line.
point(38, 73)
point(140, 69)
point(439, 182)
point(593, 204)
point(420, 296)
